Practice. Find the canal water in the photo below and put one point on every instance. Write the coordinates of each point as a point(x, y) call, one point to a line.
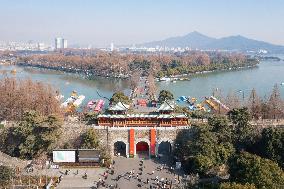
point(262, 78)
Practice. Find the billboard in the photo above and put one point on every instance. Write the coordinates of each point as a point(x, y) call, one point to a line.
point(64, 156)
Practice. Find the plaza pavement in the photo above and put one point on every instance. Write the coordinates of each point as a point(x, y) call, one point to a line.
point(122, 167)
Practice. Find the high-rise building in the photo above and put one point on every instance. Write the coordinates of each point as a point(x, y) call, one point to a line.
point(111, 47)
point(58, 43)
point(64, 43)
point(41, 46)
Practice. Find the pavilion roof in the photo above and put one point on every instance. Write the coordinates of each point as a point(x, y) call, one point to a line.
point(119, 107)
point(158, 116)
point(167, 106)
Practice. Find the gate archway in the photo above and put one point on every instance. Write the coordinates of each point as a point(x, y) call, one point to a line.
point(142, 149)
point(165, 148)
point(120, 148)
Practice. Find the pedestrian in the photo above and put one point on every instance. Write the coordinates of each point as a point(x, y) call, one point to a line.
point(137, 176)
point(153, 172)
point(147, 181)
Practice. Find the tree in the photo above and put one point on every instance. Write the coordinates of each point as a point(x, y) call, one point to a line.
point(254, 105)
point(232, 101)
point(271, 144)
point(233, 185)
point(275, 103)
point(134, 79)
point(165, 95)
point(220, 126)
point(119, 97)
point(244, 132)
point(6, 174)
point(36, 134)
point(90, 140)
point(21, 95)
point(203, 151)
point(152, 86)
point(252, 169)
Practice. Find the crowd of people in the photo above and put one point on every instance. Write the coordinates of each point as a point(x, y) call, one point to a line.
point(143, 178)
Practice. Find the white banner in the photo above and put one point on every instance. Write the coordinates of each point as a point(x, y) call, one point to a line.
point(64, 156)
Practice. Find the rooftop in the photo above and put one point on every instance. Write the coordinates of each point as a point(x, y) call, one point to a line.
point(158, 116)
point(119, 107)
point(167, 106)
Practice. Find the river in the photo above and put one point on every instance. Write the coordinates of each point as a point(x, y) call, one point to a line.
point(262, 78)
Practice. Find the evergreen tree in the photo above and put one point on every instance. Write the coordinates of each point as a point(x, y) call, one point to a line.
point(6, 174)
point(90, 139)
point(252, 169)
point(165, 95)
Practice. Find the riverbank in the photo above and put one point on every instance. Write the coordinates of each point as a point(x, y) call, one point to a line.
point(87, 74)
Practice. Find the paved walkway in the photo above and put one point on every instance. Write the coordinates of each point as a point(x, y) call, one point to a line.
point(141, 93)
point(122, 167)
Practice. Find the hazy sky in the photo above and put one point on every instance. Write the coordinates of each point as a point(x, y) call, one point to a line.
point(134, 21)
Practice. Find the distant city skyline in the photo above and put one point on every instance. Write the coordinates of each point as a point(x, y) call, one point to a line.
point(125, 22)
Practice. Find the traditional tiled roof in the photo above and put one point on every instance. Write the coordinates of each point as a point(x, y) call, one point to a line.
point(119, 107)
point(159, 116)
point(167, 106)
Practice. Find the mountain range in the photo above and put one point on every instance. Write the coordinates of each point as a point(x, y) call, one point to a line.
point(196, 40)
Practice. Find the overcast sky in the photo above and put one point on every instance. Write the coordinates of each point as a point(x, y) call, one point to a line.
point(134, 21)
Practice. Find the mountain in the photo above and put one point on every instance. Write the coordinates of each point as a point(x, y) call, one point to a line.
point(196, 40)
point(193, 39)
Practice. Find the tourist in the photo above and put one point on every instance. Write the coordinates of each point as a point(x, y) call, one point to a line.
point(85, 176)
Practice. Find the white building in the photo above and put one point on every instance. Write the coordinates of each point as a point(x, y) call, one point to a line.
point(64, 43)
point(41, 46)
point(111, 47)
point(58, 43)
